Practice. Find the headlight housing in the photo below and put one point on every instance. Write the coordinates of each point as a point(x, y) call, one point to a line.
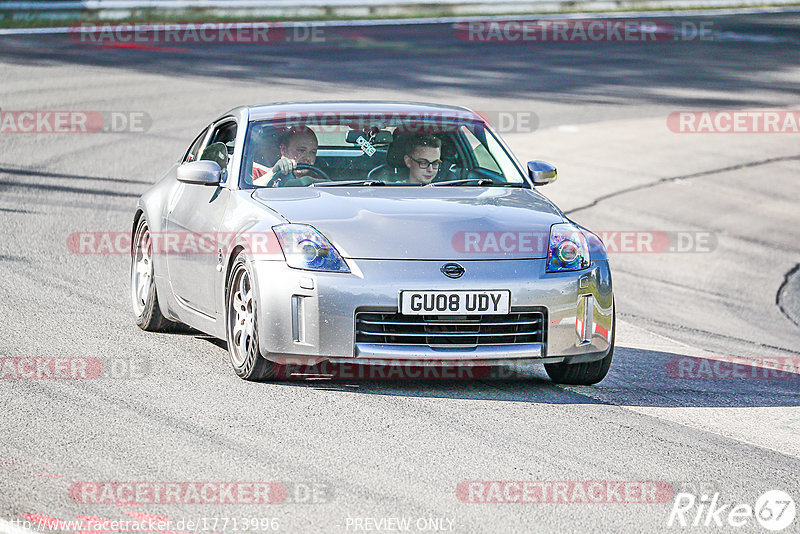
point(567, 250)
point(305, 248)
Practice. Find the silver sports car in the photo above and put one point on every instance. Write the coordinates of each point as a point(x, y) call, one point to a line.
point(375, 233)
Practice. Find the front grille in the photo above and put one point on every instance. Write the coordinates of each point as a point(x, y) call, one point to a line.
point(450, 330)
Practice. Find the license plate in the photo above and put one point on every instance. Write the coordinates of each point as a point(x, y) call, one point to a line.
point(455, 302)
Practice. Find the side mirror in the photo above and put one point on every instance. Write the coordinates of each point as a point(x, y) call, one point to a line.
point(541, 173)
point(202, 172)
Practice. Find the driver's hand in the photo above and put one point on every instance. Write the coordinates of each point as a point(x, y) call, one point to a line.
point(284, 166)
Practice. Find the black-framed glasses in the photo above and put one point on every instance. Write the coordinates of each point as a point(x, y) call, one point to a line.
point(424, 163)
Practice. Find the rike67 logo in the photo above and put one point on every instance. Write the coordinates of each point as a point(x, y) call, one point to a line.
point(774, 510)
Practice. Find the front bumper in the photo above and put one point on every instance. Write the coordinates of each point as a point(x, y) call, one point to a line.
point(308, 317)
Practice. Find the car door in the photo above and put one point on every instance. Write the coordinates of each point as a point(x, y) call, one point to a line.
point(193, 219)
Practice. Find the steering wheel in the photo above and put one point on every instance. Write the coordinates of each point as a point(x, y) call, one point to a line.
point(300, 167)
point(379, 167)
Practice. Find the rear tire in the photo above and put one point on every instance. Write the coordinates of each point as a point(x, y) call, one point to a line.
point(586, 373)
point(242, 325)
point(143, 286)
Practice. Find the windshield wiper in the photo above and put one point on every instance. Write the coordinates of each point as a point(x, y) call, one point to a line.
point(478, 181)
point(347, 182)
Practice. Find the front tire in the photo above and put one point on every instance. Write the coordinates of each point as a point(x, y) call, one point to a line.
point(586, 373)
point(143, 285)
point(242, 325)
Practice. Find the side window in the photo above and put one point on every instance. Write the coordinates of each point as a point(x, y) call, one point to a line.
point(507, 164)
point(220, 145)
point(191, 154)
point(482, 155)
point(225, 133)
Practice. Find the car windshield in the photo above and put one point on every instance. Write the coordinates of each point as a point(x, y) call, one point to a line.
point(404, 150)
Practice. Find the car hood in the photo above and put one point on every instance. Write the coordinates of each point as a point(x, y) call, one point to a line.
point(424, 223)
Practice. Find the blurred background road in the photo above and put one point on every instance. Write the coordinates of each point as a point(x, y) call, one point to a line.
point(400, 449)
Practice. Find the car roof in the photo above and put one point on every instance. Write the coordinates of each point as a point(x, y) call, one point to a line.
point(268, 111)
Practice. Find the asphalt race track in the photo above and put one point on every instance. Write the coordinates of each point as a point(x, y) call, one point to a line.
point(354, 453)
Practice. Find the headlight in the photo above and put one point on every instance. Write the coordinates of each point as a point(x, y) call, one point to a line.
point(567, 250)
point(305, 248)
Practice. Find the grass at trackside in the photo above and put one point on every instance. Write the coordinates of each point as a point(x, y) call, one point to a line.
point(12, 19)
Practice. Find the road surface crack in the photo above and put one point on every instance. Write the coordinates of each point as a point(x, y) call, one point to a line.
point(660, 181)
point(783, 287)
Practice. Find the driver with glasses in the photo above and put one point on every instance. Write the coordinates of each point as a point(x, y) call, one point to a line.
point(423, 158)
